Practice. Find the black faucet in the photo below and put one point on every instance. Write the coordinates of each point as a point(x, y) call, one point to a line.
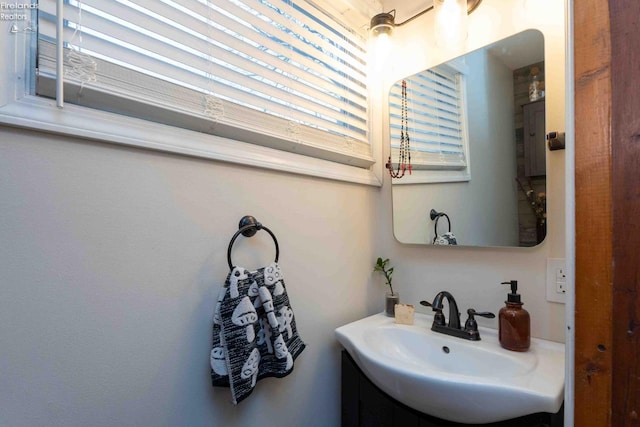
point(453, 328)
point(454, 314)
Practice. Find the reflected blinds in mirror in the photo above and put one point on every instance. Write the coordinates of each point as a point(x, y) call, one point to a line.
point(435, 119)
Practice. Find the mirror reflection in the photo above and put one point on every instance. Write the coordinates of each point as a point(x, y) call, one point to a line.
point(475, 130)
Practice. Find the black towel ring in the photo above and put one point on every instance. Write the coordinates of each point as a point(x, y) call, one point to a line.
point(248, 227)
point(436, 215)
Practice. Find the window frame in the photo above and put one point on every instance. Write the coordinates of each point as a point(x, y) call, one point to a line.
point(18, 108)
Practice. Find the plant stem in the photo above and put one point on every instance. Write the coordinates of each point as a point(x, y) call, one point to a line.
point(389, 282)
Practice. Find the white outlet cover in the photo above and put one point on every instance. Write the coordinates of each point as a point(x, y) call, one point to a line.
point(554, 267)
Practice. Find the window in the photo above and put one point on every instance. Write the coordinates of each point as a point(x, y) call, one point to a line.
point(262, 75)
point(436, 125)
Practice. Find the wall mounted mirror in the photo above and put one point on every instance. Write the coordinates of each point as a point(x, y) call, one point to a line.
point(476, 128)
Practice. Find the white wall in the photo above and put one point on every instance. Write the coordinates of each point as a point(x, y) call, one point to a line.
point(110, 263)
point(484, 210)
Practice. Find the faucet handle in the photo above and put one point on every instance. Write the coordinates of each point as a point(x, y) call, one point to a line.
point(471, 312)
point(438, 318)
point(471, 324)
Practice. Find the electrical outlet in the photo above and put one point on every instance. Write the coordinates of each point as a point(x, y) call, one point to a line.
point(556, 280)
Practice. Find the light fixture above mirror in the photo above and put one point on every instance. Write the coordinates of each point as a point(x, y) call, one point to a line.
point(384, 23)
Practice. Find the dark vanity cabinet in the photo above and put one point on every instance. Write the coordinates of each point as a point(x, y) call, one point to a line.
point(534, 139)
point(365, 405)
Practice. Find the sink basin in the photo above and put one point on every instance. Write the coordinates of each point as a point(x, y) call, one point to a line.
point(472, 382)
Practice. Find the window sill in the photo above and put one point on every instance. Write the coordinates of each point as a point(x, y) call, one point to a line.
point(42, 115)
point(434, 177)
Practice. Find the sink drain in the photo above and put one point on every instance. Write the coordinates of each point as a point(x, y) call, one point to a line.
point(445, 349)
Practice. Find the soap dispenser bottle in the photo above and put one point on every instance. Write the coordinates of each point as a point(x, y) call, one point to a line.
point(514, 322)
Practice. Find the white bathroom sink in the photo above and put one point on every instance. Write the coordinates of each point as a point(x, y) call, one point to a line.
point(454, 379)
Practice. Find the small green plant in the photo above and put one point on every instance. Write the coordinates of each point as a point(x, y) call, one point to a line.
point(381, 266)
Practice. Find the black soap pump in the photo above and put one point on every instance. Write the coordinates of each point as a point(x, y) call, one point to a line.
point(514, 322)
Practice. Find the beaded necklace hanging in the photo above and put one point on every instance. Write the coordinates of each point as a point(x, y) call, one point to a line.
point(404, 162)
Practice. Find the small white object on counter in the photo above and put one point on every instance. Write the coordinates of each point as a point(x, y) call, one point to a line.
point(404, 314)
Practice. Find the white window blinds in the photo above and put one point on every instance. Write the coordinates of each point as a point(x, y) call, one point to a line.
point(277, 73)
point(435, 119)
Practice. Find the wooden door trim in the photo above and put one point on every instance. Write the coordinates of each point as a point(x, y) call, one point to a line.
point(593, 302)
point(607, 177)
point(625, 160)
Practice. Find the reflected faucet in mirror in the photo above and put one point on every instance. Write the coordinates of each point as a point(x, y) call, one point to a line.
point(476, 127)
